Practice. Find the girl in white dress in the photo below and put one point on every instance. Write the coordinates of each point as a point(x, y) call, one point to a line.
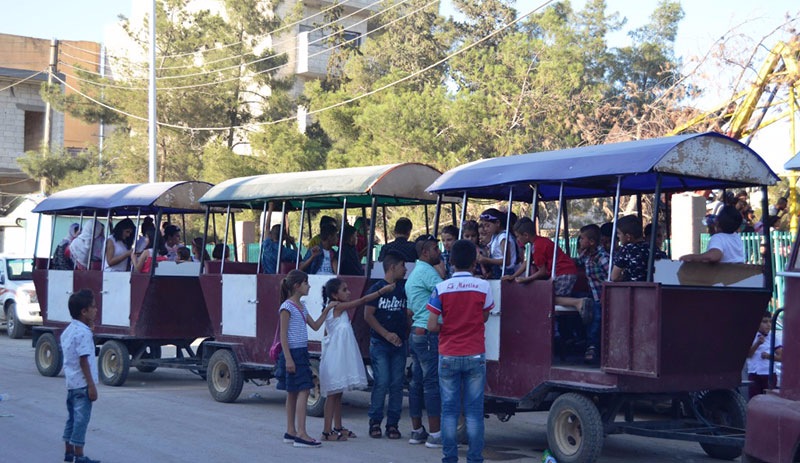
point(341, 367)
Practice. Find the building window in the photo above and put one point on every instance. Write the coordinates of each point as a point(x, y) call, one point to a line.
point(317, 38)
point(34, 130)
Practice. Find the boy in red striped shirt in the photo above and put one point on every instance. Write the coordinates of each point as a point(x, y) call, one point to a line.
point(464, 303)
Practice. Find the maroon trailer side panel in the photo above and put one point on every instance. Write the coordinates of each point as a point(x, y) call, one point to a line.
point(168, 307)
point(631, 325)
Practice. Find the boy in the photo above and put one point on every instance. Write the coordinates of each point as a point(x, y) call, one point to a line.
point(269, 250)
point(594, 259)
point(464, 303)
point(322, 259)
point(542, 257)
point(758, 357)
point(449, 236)
point(630, 260)
point(388, 322)
point(401, 244)
point(80, 371)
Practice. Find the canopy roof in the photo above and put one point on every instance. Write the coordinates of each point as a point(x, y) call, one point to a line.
point(393, 184)
point(126, 199)
point(684, 162)
point(793, 163)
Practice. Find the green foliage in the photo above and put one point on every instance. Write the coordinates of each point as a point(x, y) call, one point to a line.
point(53, 166)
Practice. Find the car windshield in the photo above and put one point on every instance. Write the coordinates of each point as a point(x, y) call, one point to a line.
point(19, 269)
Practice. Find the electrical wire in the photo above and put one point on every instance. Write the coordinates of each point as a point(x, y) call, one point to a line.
point(23, 80)
point(335, 105)
point(278, 67)
point(209, 50)
point(258, 60)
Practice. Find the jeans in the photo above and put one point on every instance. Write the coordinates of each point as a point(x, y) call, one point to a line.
point(79, 408)
point(593, 331)
point(425, 375)
point(462, 378)
point(388, 366)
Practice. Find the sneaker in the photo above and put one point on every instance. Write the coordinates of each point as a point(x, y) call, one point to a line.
point(433, 442)
point(85, 459)
point(418, 437)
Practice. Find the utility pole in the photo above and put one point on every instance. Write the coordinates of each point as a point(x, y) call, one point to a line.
point(151, 99)
point(48, 110)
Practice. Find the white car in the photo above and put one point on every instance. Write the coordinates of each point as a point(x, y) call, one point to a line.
point(20, 306)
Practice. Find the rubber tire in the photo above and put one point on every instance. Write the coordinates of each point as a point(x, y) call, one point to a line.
point(724, 407)
point(49, 358)
point(113, 363)
point(14, 328)
point(224, 378)
point(574, 429)
point(155, 353)
point(316, 402)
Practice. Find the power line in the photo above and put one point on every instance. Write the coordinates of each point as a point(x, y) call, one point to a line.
point(21, 81)
point(258, 60)
point(275, 68)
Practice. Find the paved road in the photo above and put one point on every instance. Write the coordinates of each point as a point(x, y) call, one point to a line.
point(168, 416)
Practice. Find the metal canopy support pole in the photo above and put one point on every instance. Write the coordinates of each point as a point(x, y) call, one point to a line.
point(508, 225)
point(103, 258)
point(654, 232)
point(214, 227)
point(558, 229)
point(639, 205)
point(385, 227)
point(52, 237)
point(668, 222)
point(205, 235)
point(183, 226)
point(565, 208)
point(453, 213)
point(225, 239)
point(437, 215)
point(280, 238)
point(234, 242)
point(768, 281)
point(371, 235)
point(614, 228)
point(534, 210)
point(261, 241)
point(91, 242)
point(463, 215)
point(427, 221)
point(156, 241)
point(300, 233)
point(36, 242)
point(138, 219)
point(341, 235)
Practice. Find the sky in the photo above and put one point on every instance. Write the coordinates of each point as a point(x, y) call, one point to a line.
point(704, 24)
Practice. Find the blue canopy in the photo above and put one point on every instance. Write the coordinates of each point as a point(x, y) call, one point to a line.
point(126, 199)
point(684, 162)
point(793, 163)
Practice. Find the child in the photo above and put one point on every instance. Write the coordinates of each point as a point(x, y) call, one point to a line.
point(341, 367)
point(648, 233)
point(758, 357)
point(388, 321)
point(542, 257)
point(595, 261)
point(464, 303)
point(351, 262)
point(725, 245)
point(494, 224)
point(471, 231)
point(322, 258)
point(183, 255)
point(630, 260)
point(449, 236)
point(293, 369)
point(80, 371)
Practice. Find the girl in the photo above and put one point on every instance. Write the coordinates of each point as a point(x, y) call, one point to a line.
point(145, 259)
point(119, 246)
point(494, 224)
point(293, 370)
point(341, 367)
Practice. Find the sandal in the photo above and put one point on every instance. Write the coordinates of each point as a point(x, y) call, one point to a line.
point(375, 430)
point(333, 436)
point(392, 432)
point(346, 432)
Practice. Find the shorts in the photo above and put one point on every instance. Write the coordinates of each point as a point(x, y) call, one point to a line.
point(563, 284)
point(302, 379)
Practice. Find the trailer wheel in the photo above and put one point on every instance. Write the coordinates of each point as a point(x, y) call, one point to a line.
point(14, 328)
point(574, 429)
point(224, 379)
point(114, 362)
point(49, 358)
point(316, 402)
point(150, 352)
point(727, 408)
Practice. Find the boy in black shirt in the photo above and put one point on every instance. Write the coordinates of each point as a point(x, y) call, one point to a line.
point(388, 320)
